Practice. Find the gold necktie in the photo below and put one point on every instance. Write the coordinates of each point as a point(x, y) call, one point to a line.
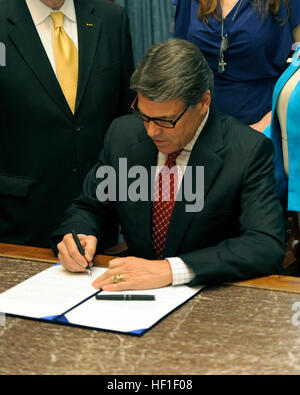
point(66, 58)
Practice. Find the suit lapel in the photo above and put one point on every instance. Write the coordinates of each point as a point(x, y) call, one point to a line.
point(144, 154)
point(204, 153)
point(294, 66)
point(26, 39)
point(89, 28)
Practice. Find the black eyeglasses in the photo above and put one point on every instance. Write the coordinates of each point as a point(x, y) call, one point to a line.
point(165, 123)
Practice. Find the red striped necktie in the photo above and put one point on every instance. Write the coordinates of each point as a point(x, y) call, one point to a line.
point(165, 192)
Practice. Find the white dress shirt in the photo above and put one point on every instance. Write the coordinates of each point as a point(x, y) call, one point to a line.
point(181, 272)
point(44, 25)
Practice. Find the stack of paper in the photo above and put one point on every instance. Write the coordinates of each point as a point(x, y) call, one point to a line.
point(63, 297)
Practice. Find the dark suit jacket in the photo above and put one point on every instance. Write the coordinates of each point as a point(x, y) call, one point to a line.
point(45, 151)
point(239, 233)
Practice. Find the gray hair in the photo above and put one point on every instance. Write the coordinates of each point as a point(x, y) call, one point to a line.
point(174, 69)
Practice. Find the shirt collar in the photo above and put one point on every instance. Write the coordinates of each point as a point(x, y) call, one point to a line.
point(191, 144)
point(39, 11)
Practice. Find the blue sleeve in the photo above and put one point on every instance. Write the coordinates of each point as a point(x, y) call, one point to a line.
point(294, 13)
point(182, 17)
point(267, 131)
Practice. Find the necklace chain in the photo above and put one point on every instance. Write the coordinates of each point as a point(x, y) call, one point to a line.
point(225, 43)
point(236, 11)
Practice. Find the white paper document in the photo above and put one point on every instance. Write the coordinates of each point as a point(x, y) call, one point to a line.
point(64, 297)
point(49, 293)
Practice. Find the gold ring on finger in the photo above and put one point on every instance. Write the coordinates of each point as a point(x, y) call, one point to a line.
point(117, 278)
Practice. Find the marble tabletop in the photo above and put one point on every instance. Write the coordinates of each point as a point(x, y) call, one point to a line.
point(223, 330)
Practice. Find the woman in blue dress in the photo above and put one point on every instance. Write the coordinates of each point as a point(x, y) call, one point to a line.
point(246, 43)
point(285, 134)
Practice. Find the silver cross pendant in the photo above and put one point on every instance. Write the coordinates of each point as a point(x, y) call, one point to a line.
point(223, 48)
point(221, 65)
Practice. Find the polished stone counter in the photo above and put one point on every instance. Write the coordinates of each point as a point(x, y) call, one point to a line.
point(223, 330)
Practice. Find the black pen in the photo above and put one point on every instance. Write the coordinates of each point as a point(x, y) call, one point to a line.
point(125, 297)
point(81, 250)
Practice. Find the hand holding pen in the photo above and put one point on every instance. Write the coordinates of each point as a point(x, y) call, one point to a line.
point(75, 252)
point(81, 250)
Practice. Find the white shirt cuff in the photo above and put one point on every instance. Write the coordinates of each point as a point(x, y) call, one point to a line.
point(182, 273)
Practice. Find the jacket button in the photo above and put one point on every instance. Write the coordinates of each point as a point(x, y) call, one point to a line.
point(74, 169)
point(78, 128)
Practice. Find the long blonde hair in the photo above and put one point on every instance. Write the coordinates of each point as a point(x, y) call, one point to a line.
point(208, 7)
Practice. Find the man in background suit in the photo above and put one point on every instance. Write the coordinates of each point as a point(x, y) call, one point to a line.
point(237, 234)
point(50, 132)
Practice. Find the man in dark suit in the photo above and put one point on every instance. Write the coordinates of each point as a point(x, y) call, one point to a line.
point(238, 233)
point(47, 143)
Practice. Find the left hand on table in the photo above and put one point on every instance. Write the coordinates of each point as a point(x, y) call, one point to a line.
point(137, 273)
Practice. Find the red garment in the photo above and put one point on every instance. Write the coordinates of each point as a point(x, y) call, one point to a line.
point(164, 200)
